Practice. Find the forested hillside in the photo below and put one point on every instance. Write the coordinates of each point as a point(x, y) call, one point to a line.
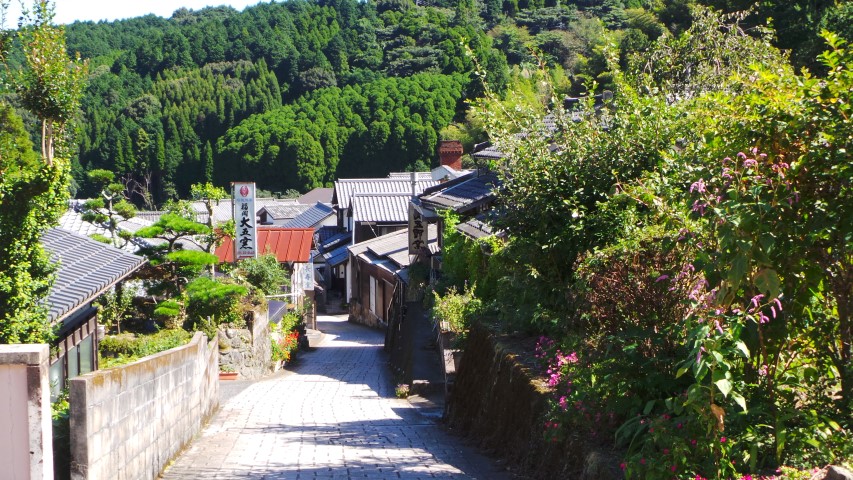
point(343, 87)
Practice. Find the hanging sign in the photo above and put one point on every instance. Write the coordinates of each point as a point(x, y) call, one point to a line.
point(417, 231)
point(246, 243)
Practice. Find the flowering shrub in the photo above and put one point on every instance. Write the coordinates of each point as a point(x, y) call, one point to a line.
point(698, 297)
point(285, 347)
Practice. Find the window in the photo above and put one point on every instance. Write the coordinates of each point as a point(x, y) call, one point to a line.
point(73, 362)
point(87, 358)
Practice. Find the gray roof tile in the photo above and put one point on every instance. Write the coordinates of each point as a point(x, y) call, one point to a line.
point(85, 269)
point(311, 216)
point(346, 188)
point(337, 256)
point(464, 196)
point(385, 207)
point(284, 212)
point(393, 246)
point(222, 210)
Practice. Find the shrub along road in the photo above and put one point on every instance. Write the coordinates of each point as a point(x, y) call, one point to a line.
point(332, 416)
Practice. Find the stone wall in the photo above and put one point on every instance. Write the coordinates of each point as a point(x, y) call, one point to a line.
point(128, 422)
point(362, 315)
point(26, 450)
point(247, 351)
point(500, 403)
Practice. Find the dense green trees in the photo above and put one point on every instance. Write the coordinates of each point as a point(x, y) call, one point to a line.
point(688, 249)
point(33, 187)
point(164, 93)
point(359, 130)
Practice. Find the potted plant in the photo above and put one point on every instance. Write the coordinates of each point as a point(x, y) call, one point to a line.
point(226, 372)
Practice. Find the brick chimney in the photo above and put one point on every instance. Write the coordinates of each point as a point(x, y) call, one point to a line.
point(450, 153)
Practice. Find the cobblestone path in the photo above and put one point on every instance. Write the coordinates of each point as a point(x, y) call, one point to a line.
point(333, 416)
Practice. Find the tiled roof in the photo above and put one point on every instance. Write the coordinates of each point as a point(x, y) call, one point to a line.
point(489, 151)
point(337, 256)
point(477, 227)
point(86, 269)
point(284, 212)
point(150, 215)
point(222, 211)
point(408, 175)
point(346, 188)
point(464, 196)
point(72, 221)
point(288, 244)
point(386, 207)
point(335, 241)
point(310, 217)
point(325, 237)
point(393, 246)
point(322, 195)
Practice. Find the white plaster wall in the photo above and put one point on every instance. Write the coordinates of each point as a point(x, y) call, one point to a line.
point(14, 423)
point(26, 439)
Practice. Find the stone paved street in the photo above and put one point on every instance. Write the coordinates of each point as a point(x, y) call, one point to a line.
point(332, 416)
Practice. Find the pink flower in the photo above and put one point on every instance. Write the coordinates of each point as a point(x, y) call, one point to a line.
point(666, 451)
point(698, 186)
point(622, 466)
point(672, 468)
point(642, 461)
point(723, 439)
point(662, 278)
point(755, 300)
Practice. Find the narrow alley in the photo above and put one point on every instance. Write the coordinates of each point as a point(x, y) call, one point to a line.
point(333, 415)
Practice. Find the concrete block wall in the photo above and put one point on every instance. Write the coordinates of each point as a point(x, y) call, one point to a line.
point(26, 448)
point(128, 422)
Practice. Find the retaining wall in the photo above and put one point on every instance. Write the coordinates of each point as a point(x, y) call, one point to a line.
point(128, 422)
point(247, 351)
point(499, 402)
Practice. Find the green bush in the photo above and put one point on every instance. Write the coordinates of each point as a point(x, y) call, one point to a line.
point(125, 348)
point(265, 273)
point(211, 303)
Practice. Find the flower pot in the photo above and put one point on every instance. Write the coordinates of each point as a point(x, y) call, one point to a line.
point(228, 375)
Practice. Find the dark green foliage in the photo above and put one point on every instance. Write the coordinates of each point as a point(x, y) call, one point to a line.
point(264, 273)
point(32, 195)
point(167, 97)
point(211, 303)
point(355, 131)
point(33, 189)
